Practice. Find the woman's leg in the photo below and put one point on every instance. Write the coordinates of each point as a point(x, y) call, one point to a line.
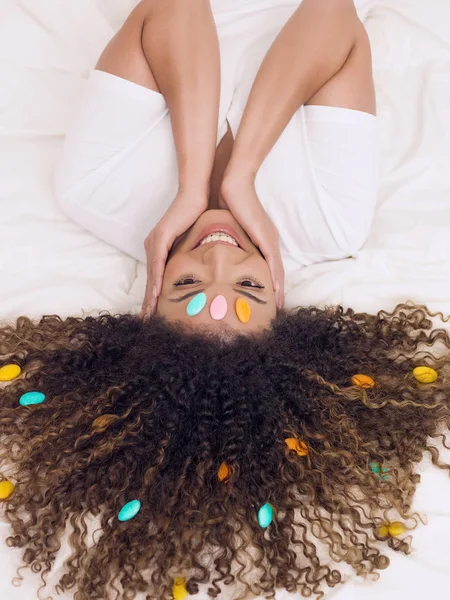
point(352, 86)
point(171, 46)
point(148, 112)
point(322, 55)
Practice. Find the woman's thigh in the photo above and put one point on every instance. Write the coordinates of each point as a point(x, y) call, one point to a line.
point(343, 151)
point(118, 169)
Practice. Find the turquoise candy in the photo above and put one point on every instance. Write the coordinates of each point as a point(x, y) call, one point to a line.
point(375, 467)
point(129, 511)
point(381, 471)
point(31, 398)
point(196, 305)
point(265, 515)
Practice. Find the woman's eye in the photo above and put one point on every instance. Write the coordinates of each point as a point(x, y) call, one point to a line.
point(251, 283)
point(185, 281)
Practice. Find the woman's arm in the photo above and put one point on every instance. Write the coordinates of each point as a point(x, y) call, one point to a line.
point(181, 46)
point(171, 47)
point(311, 48)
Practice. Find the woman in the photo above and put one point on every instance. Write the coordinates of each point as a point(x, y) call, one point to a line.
point(271, 110)
point(240, 454)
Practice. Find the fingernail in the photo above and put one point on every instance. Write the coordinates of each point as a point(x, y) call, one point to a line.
point(277, 287)
point(155, 292)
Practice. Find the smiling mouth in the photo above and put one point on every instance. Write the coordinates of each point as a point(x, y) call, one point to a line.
point(218, 237)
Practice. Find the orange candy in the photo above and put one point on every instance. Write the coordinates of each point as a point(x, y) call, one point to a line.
point(299, 447)
point(363, 381)
point(243, 310)
point(224, 472)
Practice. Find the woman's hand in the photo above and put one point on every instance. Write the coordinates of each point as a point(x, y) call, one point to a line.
point(239, 196)
point(182, 214)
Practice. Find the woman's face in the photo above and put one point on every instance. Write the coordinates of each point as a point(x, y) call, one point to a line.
point(227, 264)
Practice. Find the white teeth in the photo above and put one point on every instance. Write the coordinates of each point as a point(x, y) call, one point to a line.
point(219, 237)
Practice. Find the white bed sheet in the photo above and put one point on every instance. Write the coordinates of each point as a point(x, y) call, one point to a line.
point(49, 265)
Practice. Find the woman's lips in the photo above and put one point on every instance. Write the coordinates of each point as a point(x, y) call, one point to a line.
point(217, 228)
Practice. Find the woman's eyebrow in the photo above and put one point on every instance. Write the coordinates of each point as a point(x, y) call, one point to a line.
point(258, 300)
point(186, 296)
point(195, 292)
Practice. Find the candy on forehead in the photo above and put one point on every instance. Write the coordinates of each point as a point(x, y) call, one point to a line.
point(218, 308)
point(196, 305)
point(243, 310)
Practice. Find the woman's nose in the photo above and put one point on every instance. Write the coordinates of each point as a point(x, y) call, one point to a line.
point(220, 256)
point(219, 250)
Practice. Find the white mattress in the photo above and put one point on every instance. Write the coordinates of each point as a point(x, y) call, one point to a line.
point(49, 265)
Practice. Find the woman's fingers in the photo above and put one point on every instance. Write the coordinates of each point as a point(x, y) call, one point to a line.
point(150, 299)
point(270, 249)
point(264, 234)
point(182, 214)
point(265, 237)
point(156, 250)
point(241, 198)
point(273, 259)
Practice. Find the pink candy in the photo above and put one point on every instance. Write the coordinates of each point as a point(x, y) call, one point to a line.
point(218, 308)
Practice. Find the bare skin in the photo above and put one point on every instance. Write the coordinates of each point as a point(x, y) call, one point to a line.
point(171, 47)
point(218, 269)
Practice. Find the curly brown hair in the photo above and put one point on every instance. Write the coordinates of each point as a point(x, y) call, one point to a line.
point(142, 410)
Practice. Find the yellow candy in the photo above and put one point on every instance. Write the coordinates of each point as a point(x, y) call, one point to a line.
point(383, 531)
point(179, 590)
point(425, 374)
point(396, 528)
point(224, 472)
point(299, 447)
point(6, 489)
point(10, 372)
point(363, 381)
point(391, 529)
point(243, 310)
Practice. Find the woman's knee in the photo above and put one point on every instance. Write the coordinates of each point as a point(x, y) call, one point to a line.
point(125, 56)
point(353, 86)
